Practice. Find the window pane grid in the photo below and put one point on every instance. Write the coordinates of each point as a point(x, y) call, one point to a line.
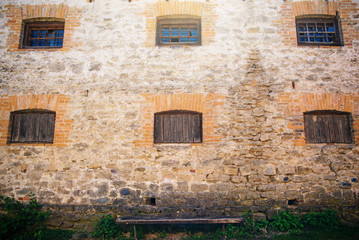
point(179, 33)
point(317, 31)
point(44, 35)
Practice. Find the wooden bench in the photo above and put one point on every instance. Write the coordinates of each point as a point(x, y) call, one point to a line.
point(146, 220)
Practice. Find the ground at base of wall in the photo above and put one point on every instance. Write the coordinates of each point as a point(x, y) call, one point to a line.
point(344, 232)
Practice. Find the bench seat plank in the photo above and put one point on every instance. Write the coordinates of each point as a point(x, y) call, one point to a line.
point(128, 220)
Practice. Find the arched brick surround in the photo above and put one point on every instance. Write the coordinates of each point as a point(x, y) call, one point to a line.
point(199, 8)
point(16, 14)
point(291, 9)
point(294, 105)
point(203, 103)
point(53, 102)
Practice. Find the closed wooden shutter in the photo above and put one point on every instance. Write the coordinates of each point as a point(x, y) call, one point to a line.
point(327, 127)
point(32, 127)
point(178, 127)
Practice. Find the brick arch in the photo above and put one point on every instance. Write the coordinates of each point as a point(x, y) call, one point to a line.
point(166, 8)
point(315, 7)
point(52, 102)
point(294, 105)
point(202, 9)
point(44, 11)
point(201, 103)
point(18, 14)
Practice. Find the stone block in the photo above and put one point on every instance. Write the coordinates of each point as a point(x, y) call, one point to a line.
point(199, 187)
point(269, 170)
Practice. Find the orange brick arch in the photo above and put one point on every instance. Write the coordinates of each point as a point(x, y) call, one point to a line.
point(294, 105)
point(17, 13)
point(291, 9)
point(54, 102)
point(175, 8)
point(203, 103)
point(315, 7)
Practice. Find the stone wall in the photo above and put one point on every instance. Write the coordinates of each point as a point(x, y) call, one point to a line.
point(249, 79)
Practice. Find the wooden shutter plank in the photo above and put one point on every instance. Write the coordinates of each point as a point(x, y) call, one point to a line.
point(197, 137)
point(158, 133)
point(173, 137)
point(179, 128)
point(323, 127)
point(343, 128)
point(167, 128)
point(310, 127)
point(23, 127)
point(190, 128)
point(16, 125)
point(185, 128)
point(52, 127)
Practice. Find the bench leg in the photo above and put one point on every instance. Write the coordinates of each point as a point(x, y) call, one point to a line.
point(224, 231)
point(134, 231)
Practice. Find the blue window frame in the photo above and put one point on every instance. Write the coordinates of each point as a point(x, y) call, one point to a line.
point(318, 31)
point(44, 34)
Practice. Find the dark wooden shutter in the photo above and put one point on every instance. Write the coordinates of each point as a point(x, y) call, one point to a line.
point(327, 127)
point(178, 127)
point(32, 127)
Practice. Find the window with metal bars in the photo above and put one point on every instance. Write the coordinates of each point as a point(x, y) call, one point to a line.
point(178, 127)
point(327, 127)
point(318, 31)
point(35, 126)
point(44, 34)
point(179, 32)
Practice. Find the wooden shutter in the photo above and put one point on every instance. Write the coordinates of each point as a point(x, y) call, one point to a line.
point(327, 127)
point(33, 127)
point(178, 127)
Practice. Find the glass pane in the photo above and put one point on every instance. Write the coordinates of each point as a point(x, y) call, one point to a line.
point(194, 40)
point(58, 42)
point(302, 27)
point(330, 27)
point(51, 42)
point(311, 26)
point(302, 39)
point(165, 40)
point(184, 32)
point(184, 39)
point(34, 34)
point(320, 27)
point(60, 33)
point(41, 42)
point(311, 39)
point(319, 39)
point(42, 34)
point(174, 39)
point(51, 33)
point(194, 32)
point(166, 32)
point(175, 32)
point(33, 43)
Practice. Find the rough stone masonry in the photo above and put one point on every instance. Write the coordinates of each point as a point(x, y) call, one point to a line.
point(249, 79)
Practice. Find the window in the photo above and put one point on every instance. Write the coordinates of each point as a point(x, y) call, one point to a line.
point(178, 127)
point(32, 126)
point(318, 31)
point(43, 34)
point(327, 127)
point(179, 32)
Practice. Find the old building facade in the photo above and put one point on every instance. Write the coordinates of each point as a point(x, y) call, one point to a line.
point(180, 107)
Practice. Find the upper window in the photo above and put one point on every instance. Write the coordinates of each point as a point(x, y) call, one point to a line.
point(179, 32)
point(178, 127)
point(327, 127)
point(32, 126)
point(318, 31)
point(43, 34)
